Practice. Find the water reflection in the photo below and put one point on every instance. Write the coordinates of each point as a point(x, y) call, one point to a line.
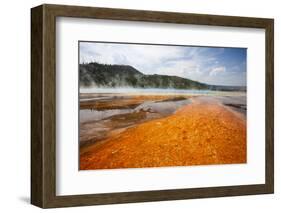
point(161, 107)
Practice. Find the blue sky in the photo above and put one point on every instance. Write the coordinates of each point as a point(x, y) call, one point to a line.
point(212, 65)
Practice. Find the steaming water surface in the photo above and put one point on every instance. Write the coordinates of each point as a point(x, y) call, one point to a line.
point(146, 91)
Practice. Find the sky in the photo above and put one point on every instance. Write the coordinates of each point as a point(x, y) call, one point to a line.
point(211, 65)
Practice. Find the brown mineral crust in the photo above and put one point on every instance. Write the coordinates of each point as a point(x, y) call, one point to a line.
point(201, 133)
point(126, 102)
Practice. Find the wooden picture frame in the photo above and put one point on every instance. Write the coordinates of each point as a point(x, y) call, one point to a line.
point(43, 105)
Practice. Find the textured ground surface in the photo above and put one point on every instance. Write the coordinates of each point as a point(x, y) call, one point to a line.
point(201, 133)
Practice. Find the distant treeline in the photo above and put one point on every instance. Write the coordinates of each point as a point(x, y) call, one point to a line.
point(111, 76)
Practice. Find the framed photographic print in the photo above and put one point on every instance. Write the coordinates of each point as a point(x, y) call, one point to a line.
point(136, 106)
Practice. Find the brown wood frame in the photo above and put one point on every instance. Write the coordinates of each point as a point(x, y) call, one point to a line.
point(43, 105)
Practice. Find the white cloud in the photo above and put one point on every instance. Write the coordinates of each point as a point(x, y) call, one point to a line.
point(182, 68)
point(217, 71)
point(136, 55)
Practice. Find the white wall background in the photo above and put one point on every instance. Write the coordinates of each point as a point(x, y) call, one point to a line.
point(15, 105)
